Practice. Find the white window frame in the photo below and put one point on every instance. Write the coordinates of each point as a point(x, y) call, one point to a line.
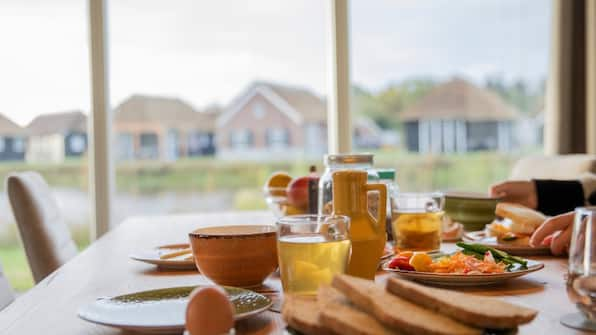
point(101, 171)
point(339, 118)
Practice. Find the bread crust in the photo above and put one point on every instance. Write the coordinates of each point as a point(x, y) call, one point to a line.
point(396, 312)
point(338, 315)
point(484, 312)
point(520, 215)
point(302, 314)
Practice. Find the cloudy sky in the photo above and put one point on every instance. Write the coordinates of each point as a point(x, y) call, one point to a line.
point(207, 51)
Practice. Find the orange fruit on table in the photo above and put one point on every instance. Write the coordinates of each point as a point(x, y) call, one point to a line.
point(277, 183)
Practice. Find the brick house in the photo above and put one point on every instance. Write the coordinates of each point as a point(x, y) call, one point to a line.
point(162, 128)
point(459, 117)
point(270, 120)
point(57, 136)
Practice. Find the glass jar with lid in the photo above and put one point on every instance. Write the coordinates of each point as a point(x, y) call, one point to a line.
point(337, 162)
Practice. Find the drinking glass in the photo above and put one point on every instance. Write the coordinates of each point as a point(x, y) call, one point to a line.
point(416, 221)
point(581, 276)
point(311, 250)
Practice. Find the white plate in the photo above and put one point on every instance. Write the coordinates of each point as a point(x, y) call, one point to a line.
point(449, 279)
point(163, 311)
point(152, 257)
point(516, 250)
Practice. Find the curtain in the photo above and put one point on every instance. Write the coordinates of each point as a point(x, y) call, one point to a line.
point(570, 119)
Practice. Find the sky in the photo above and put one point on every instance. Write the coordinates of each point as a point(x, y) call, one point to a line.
point(207, 52)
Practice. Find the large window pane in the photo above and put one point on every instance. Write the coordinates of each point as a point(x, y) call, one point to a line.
point(44, 109)
point(210, 98)
point(453, 90)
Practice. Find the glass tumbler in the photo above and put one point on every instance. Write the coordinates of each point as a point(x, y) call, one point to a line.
point(311, 250)
point(417, 219)
point(581, 275)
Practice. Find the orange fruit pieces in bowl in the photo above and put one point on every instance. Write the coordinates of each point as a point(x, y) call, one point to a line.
point(277, 183)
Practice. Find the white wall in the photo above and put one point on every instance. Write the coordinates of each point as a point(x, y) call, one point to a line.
point(45, 149)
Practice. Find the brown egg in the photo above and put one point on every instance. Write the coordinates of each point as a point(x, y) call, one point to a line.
point(209, 312)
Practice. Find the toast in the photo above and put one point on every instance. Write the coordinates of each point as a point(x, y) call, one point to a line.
point(337, 314)
point(302, 314)
point(396, 312)
point(474, 310)
point(524, 220)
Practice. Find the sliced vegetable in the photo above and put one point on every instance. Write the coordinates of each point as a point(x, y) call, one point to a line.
point(407, 254)
point(488, 257)
point(421, 261)
point(402, 263)
point(500, 256)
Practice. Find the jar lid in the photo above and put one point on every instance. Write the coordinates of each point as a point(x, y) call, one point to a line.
point(332, 159)
point(388, 174)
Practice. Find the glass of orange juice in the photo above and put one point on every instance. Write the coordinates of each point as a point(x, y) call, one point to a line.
point(416, 221)
point(311, 250)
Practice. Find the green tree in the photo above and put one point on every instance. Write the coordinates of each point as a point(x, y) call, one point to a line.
point(385, 105)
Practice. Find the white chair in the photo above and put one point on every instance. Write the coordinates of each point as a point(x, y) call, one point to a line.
point(561, 167)
point(45, 235)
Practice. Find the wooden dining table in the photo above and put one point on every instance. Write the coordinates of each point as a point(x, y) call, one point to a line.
point(104, 269)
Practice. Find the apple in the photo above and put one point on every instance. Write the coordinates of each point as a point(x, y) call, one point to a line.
point(298, 191)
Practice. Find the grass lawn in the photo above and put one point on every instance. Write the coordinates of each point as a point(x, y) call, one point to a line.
point(15, 265)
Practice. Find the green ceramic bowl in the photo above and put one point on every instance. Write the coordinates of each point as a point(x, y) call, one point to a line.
point(473, 210)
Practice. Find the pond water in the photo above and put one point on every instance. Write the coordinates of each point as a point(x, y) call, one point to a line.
point(75, 204)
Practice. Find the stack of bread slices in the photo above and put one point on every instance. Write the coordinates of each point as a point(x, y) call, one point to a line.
point(357, 306)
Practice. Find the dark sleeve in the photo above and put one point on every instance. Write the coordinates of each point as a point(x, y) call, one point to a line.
point(559, 196)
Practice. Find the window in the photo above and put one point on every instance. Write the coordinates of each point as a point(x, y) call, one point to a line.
point(460, 84)
point(258, 111)
point(18, 145)
point(242, 139)
point(149, 146)
point(221, 73)
point(277, 138)
point(45, 55)
point(77, 143)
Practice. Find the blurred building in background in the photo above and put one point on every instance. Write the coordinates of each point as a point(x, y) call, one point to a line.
point(272, 119)
point(56, 137)
point(162, 128)
point(12, 140)
point(459, 117)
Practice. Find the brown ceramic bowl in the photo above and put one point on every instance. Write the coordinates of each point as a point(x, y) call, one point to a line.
point(241, 256)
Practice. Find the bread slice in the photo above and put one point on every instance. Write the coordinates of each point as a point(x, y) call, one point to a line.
point(302, 314)
point(337, 314)
point(524, 220)
point(396, 312)
point(485, 312)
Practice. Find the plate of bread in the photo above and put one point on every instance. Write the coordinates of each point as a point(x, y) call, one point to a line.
point(168, 257)
point(352, 305)
point(511, 231)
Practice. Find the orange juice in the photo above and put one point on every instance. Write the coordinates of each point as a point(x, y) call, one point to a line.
point(366, 257)
point(367, 232)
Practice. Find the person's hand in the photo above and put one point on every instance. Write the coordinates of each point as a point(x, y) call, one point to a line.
point(520, 192)
point(559, 229)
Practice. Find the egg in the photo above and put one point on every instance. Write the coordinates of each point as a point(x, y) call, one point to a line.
point(209, 312)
